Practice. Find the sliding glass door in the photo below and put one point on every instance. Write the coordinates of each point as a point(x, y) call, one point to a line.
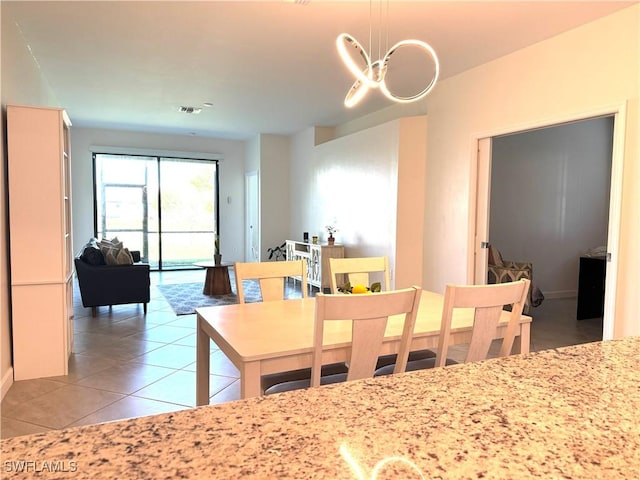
point(165, 207)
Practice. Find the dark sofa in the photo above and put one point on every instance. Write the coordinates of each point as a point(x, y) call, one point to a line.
point(102, 285)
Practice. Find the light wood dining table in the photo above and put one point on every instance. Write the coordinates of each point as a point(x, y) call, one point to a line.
point(277, 336)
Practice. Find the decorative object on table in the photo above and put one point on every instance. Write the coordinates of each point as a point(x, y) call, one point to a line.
point(331, 230)
point(371, 75)
point(305, 237)
point(359, 288)
point(217, 256)
point(314, 239)
point(278, 253)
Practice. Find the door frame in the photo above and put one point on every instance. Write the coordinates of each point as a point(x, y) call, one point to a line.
point(480, 193)
point(252, 206)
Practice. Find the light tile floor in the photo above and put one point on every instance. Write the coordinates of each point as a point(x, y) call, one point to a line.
point(126, 364)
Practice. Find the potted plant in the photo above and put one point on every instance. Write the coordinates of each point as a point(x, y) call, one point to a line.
point(278, 253)
point(217, 256)
point(331, 230)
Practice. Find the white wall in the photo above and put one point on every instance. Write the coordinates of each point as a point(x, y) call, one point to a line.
point(231, 180)
point(351, 182)
point(22, 83)
point(550, 198)
point(591, 67)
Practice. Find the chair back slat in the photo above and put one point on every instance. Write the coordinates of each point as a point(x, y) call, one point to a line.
point(271, 277)
point(369, 314)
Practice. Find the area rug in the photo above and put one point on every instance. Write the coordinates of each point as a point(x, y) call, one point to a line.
point(184, 298)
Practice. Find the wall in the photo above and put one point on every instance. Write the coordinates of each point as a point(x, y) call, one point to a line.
point(231, 180)
point(550, 198)
point(591, 67)
point(22, 83)
point(274, 191)
point(352, 182)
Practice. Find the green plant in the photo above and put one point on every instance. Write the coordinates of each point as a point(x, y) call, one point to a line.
point(278, 253)
point(216, 244)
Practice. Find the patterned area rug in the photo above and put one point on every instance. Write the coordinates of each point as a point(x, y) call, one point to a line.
point(184, 298)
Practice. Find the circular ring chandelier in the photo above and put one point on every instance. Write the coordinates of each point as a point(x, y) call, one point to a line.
point(372, 74)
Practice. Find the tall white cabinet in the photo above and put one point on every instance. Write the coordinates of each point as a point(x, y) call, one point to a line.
point(39, 178)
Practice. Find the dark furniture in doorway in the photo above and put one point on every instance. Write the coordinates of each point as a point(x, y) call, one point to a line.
point(591, 281)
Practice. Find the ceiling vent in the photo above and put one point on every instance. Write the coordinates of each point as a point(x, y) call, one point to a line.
point(193, 110)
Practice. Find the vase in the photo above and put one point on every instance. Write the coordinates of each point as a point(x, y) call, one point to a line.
point(217, 258)
point(331, 240)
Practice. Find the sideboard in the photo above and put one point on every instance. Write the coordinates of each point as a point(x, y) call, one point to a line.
point(317, 257)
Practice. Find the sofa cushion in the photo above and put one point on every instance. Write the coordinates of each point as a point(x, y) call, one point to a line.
point(92, 255)
point(118, 257)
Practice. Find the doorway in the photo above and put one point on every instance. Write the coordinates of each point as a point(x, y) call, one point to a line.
point(480, 236)
point(165, 207)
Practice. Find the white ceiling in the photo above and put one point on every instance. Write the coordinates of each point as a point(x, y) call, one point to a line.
point(266, 66)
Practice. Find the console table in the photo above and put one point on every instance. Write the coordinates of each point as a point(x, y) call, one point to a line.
point(317, 257)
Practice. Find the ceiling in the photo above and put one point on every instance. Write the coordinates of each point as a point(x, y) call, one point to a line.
point(265, 66)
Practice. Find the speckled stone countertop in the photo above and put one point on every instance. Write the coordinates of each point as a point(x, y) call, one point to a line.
point(567, 413)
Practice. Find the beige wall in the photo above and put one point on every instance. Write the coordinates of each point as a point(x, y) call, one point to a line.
point(367, 183)
point(580, 71)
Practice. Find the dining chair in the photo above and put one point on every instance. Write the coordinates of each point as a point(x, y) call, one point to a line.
point(270, 276)
point(359, 271)
point(488, 301)
point(368, 314)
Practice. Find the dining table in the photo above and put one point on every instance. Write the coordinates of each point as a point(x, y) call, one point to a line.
point(277, 336)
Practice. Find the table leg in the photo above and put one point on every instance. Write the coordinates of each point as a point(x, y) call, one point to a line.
point(250, 380)
point(202, 365)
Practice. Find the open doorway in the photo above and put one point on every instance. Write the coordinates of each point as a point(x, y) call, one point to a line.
point(560, 219)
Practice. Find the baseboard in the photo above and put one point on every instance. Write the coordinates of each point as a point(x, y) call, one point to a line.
point(560, 294)
point(7, 381)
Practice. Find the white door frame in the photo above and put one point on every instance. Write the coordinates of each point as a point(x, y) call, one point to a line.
point(480, 191)
point(252, 216)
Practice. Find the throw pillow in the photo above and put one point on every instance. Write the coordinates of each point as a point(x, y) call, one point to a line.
point(124, 257)
point(111, 256)
point(92, 255)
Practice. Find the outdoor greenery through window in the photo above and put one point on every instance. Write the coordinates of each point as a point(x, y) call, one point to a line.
point(167, 208)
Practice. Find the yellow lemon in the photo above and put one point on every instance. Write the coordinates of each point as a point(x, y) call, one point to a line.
point(359, 289)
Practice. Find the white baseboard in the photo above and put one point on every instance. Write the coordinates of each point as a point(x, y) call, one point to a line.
point(7, 381)
point(560, 294)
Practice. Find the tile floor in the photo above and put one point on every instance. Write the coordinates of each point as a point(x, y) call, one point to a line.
point(126, 365)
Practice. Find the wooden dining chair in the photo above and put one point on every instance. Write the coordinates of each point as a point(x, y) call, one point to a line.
point(488, 301)
point(270, 276)
point(368, 314)
point(360, 271)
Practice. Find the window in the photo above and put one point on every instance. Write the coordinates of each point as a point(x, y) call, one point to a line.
point(165, 207)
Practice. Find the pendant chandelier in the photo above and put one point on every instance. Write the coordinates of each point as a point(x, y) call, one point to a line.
point(372, 74)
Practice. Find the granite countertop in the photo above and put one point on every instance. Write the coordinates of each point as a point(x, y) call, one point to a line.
point(572, 412)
